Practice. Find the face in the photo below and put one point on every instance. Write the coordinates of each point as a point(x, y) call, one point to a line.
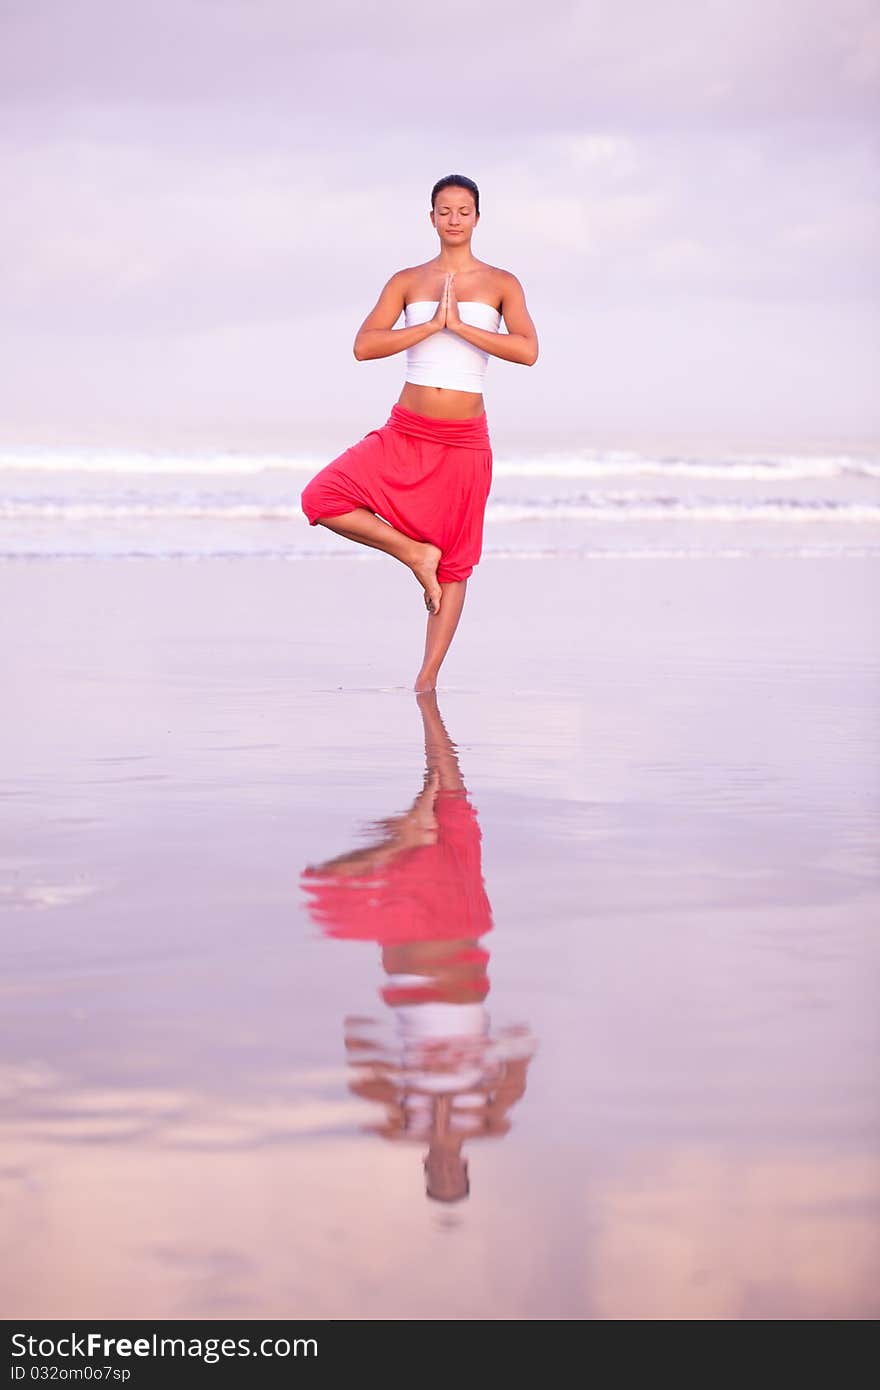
point(446, 1175)
point(455, 215)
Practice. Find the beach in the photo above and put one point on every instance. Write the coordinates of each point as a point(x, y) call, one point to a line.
point(669, 748)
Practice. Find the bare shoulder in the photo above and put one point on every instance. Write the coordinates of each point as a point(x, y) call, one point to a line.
point(501, 285)
point(509, 287)
point(411, 274)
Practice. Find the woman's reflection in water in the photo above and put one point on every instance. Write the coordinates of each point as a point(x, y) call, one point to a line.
point(419, 893)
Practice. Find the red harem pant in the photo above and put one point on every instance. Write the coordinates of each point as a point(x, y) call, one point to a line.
point(429, 478)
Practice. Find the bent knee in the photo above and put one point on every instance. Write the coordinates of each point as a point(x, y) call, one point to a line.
point(327, 495)
point(314, 502)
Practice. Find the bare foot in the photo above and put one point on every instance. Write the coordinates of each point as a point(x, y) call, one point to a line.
point(426, 681)
point(424, 567)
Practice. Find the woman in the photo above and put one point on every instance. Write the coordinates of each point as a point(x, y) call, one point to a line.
point(417, 889)
point(417, 488)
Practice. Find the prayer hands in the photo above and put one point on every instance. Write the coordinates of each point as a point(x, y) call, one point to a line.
point(446, 314)
point(453, 319)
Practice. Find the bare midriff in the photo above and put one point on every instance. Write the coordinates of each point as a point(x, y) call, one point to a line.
point(441, 402)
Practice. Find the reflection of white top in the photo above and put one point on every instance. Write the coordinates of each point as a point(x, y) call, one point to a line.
point(445, 359)
point(444, 1045)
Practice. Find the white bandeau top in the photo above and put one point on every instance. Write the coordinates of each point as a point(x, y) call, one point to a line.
point(445, 359)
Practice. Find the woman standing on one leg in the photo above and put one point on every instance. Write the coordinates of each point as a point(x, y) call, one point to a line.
point(417, 488)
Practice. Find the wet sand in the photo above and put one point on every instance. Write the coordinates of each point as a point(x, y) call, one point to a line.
point(666, 779)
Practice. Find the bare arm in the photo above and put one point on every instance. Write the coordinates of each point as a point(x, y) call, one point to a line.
point(377, 337)
point(518, 344)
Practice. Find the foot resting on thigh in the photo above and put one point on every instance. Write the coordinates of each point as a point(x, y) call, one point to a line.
point(424, 567)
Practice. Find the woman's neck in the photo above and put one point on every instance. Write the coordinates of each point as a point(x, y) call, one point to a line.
point(458, 261)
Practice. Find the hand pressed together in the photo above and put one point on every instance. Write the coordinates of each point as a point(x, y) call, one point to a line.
point(453, 319)
point(446, 314)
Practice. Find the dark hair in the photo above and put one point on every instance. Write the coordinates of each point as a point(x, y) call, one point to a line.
point(456, 181)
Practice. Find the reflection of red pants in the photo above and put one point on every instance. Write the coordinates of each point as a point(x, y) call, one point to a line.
point(429, 478)
point(424, 893)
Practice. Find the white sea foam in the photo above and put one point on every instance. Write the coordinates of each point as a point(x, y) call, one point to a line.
point(128, 462)
point(598, 507)
point(616, 508)
point(789, 468)
point(635, 550)
point(576, 464)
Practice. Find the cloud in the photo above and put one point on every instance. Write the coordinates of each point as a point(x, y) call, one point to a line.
point(497, 66)
point(192, 180)
point(130, 237)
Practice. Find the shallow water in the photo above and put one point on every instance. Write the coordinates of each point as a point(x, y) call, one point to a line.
point(617, 979)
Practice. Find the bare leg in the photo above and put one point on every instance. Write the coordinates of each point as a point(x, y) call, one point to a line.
point(441, 630)
point(419, 556)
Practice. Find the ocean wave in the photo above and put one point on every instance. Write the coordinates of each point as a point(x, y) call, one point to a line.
point(51, 509)
point(592, 507)
point(794, 469)
point(638, 550)
point(636, 507)
point(133, 462)
point(575, 464)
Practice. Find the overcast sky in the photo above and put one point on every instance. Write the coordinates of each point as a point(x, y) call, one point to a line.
point(203, 198)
